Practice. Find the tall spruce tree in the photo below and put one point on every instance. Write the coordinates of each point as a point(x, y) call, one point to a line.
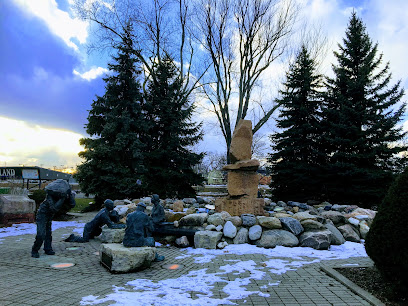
point(171, 134)
point(113, 155)
point(361, 114)
point(297, 156)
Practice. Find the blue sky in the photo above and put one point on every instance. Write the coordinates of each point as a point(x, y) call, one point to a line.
point(48, 80)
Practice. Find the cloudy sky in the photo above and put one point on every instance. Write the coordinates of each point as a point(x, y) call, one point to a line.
point(48, 80)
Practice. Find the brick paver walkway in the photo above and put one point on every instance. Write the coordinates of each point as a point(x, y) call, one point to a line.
point(28, 281)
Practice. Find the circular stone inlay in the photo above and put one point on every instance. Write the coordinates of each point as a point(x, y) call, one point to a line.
point(63, 265)
point(172, 266)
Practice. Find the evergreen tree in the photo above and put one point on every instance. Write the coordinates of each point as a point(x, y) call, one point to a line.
point(297, 156)
point(171, 134)
point(360, 119)
point(114, 153)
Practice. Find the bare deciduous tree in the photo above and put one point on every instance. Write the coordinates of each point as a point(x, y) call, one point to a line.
point(243, 38)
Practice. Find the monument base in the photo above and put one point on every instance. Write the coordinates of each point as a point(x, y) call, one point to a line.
point(9, 219)
point(120, 259)
point(237, 207)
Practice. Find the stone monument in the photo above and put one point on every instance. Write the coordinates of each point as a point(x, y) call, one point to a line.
point(242, 177)
point(16, 209)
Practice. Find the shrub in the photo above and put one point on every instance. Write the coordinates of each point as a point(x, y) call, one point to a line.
point(38, 196)
point(387, 240)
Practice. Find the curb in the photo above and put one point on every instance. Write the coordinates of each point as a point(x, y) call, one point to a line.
point(352, 286)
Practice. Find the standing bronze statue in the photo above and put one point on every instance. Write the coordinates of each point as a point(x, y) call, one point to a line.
point(58, 194)
point(139, 228)
point(157, 215)
point(106, 216)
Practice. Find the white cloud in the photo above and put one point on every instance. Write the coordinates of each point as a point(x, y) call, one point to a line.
point(91, 74)
point(59, 22)
point(35, 145)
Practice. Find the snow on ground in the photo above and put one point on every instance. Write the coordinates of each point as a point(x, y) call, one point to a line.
point(31, 228)
point(177, 291)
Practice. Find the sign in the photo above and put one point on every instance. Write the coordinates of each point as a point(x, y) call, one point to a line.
point(7, 172)
point(31, 174)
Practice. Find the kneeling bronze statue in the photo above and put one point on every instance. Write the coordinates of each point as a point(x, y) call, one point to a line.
point(106, 216)
point(138, 230)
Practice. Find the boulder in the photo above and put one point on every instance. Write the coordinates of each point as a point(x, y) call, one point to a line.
point(237, 221)
point(16, 209)
point(269, 222)
point(210, 227)
point(241, 142)
point(362, 211)
point(353, 221)
point(255, 232)
point(207, 239)
point(219, 228)
point(118, 258)
point(216, 219)
point(281, 215)
point(178, 206)
point(171, 217)
point(319, 240)
point(111, 235)
point(349, 233)
point(292, 225)
point(297, 204)
point(229, 230)
point(191, 210)
point(182, 242)
point(312, 225)
point(193, 220)
point(337, 237)
point(222, 244)
point(338, 207)
point(335, 216)
point(242, 236)
point(304, 216)
point(189, 201)
point(248, 220)
point(272, 238)
point(364, 229)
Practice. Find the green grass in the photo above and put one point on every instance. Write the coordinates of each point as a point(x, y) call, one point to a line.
point(81, 204)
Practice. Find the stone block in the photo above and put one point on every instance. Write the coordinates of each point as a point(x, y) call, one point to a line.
point(237, 207)
point(111, 235)
point(243, 183)
point(120, 259)
point(243, 165)
point(207, 239)
point(16, 209)
point(240, 148)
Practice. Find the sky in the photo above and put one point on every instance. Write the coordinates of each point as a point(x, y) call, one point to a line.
point(278, 261)
point(48, 80)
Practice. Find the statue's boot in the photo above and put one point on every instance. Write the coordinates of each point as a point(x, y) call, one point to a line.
point(35, 255)
point(74, 238)
point(158, 257)
point(49, 252)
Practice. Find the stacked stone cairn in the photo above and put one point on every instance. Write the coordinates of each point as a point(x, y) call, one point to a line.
point(243, 179)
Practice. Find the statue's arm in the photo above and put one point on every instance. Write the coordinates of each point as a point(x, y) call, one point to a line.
point(113, 215)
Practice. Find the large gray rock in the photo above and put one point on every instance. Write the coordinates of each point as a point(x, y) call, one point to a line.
point(118, 258)
point(349, 233)
point(337, 237)
point(16, 204)
point(242, 236)
point(304, 216)
point(193, 220)
point(312, 225)
point(364, 229)
point(272, 238)
point(335, 216)
point(216, 219)
point(110, 235)
point(207, 239)
point(237, 221)
point(248, 220)
point(319, 240)
point(269, 222)
point(291, 225)
point(229, 230)
point(255, 232)
point(182, 242)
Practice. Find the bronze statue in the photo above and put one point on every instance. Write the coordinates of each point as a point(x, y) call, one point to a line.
point(106, 216)
point(157, 215)
point(138, 230)
point(58, 193)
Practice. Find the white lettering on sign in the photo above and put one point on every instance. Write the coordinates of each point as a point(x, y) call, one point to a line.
point(7, 172)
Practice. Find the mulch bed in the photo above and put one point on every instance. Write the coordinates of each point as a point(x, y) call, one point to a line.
point(371, 280)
